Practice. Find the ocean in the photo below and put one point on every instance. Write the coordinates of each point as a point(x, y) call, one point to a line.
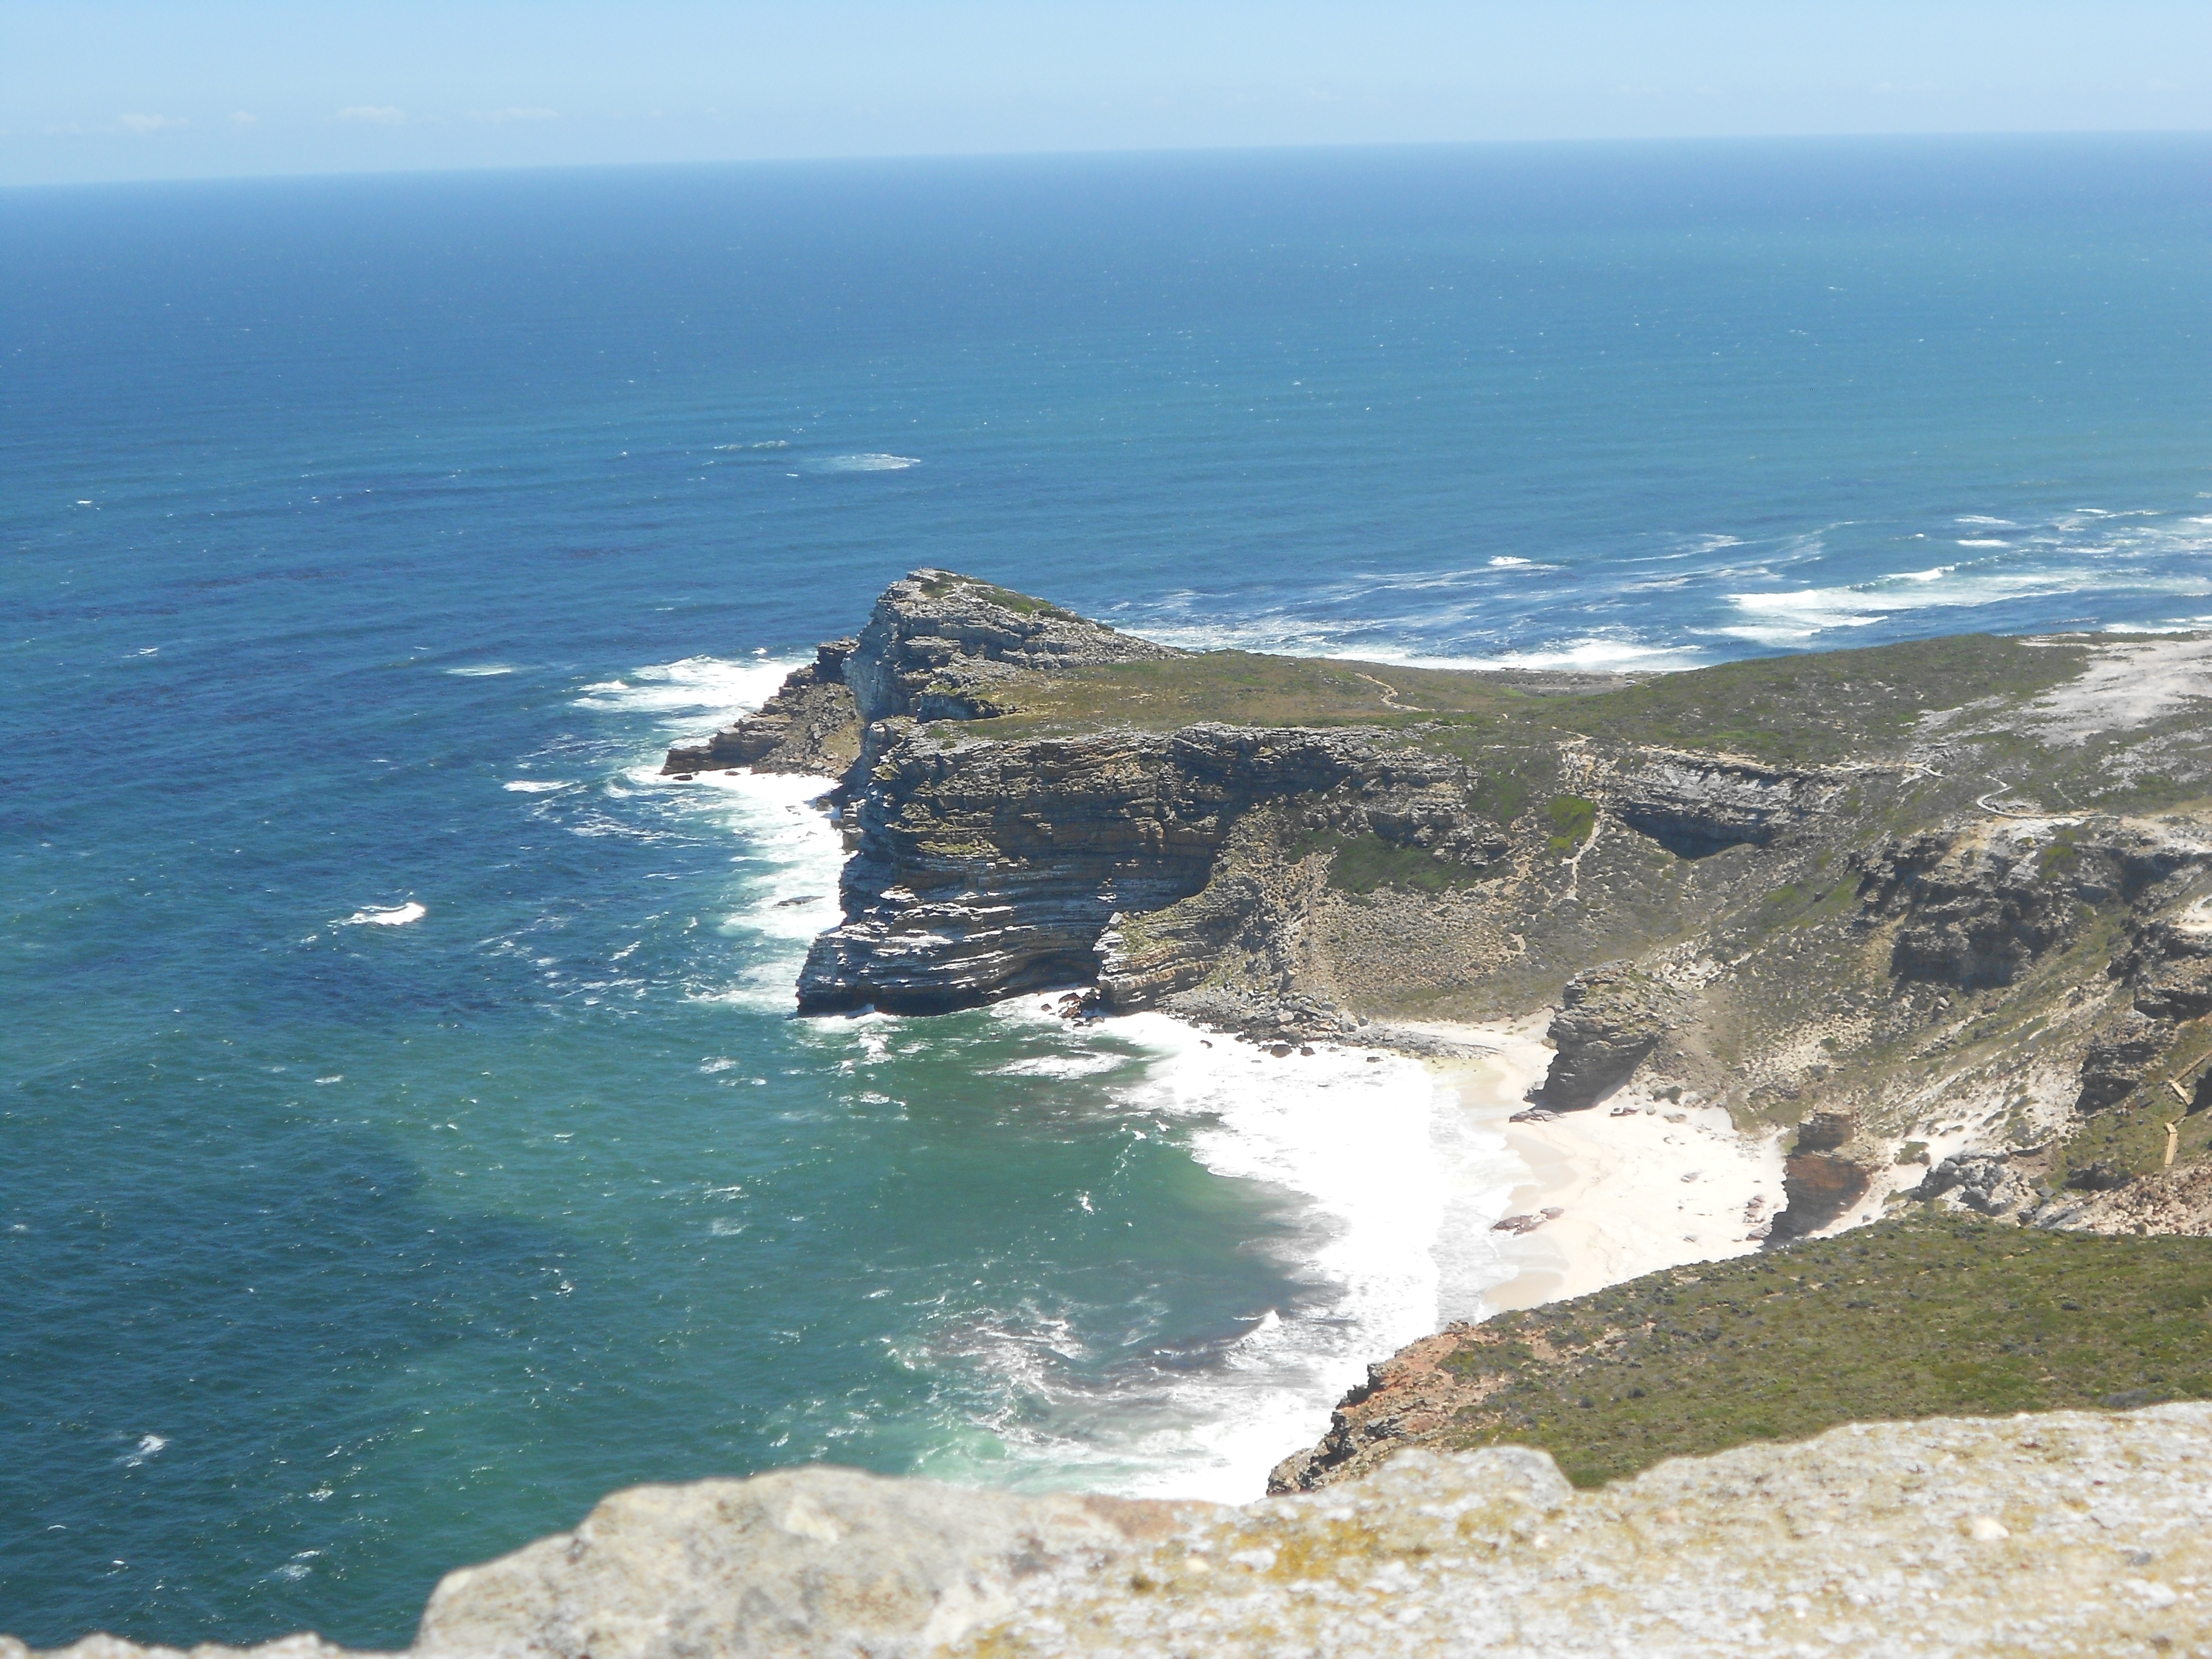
point(404, 1139)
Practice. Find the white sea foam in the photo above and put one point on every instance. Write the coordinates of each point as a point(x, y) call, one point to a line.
point(1590, 654)
point(687, 689)
point(397, 915)
point(482, 671)
point(869, 463)
point(2005, 574)
point(1379, 1154)
point(537, 786)
point(1507, 561)
point(1060, 1065)
point(786, 889)
point(149, 1446)
point(1983, 541)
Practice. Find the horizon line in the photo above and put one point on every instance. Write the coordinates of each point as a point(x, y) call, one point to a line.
point(1133, 151)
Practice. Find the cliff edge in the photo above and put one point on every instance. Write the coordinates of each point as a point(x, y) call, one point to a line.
point(2071, 1533)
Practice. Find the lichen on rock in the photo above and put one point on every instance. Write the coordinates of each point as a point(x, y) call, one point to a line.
point(2078, 1533)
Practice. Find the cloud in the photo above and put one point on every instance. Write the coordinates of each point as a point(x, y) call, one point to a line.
point(382, 115)
point(241, 118)
point(153, 123)
point(503, 116)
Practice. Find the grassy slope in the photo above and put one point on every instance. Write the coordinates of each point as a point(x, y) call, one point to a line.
point(1907, 1318)
point(1829, 706)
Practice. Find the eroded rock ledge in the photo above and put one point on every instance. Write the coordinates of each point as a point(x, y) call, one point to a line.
point(2072, 1533)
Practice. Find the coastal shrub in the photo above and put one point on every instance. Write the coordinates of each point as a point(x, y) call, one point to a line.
point(1572, 820)
point(1917, 1316)
point(1360, 864)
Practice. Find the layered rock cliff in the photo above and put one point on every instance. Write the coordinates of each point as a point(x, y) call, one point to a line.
point(1825, 913)
point(2074, 1533)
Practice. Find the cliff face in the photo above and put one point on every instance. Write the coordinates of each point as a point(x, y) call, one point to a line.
point(2072, 1533)
point(940, 645)
point(985, 868)
point(1850, 924)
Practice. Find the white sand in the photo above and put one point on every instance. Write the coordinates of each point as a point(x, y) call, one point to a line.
point(1660, 1185)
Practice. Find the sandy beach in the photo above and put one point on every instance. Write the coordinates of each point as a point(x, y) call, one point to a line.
point(1622, 1189)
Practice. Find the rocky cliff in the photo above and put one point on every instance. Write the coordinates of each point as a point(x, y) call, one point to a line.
point(2074, 1533)
point(1941, 911)
point(1800, 889)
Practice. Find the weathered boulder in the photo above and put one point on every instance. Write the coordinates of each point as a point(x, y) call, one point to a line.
point(1984, 1182)
point(2070, 1533)
point(2098, 1176)
point(1610, 1017)
point(1819, 1181)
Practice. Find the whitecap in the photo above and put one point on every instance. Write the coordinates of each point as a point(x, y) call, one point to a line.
point(1982, 542)
point(1062, 1066)
point(149, 1445)
point(397, 916)
point(537, 786)
point(689, 687)
point(870, 462)
point(1591, 654)
point(1507, 561)
point(482, 671)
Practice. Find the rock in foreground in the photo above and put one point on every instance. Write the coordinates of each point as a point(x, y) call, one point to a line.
point(2074, 1533)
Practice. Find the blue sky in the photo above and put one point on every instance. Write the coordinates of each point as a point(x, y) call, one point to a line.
point(101, 90)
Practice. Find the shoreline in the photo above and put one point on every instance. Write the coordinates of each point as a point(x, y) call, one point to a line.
point(1637, 1183)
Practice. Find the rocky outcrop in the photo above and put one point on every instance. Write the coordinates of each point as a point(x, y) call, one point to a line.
point(1975, 909)
point(1820, 1181)
point(1697, 803)
point(2118, 1059)
point(1609, 1019)
point(2072, 1532)
point(1984, 1182)
point(986, 868)
point(811, 724)
point(941, 646)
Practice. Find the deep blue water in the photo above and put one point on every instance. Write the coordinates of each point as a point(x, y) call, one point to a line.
point(336, 1253)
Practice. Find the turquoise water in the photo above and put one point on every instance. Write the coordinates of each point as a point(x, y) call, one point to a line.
point(367, 540)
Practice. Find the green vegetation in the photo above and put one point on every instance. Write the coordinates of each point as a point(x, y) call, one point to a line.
point(1905, 1318)
point(1572, 820)
point(1360, 864)
point(1246, 689)
point(1825, 708)
point(1835, 706)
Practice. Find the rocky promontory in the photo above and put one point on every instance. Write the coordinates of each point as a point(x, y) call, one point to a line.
point(1932, 900)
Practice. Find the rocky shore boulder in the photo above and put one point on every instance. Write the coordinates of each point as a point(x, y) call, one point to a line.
point(1984, 1182)
point(1820, 1181)
point(1610, 1017)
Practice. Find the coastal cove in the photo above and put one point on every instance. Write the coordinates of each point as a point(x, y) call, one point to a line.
point(411, 1136)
